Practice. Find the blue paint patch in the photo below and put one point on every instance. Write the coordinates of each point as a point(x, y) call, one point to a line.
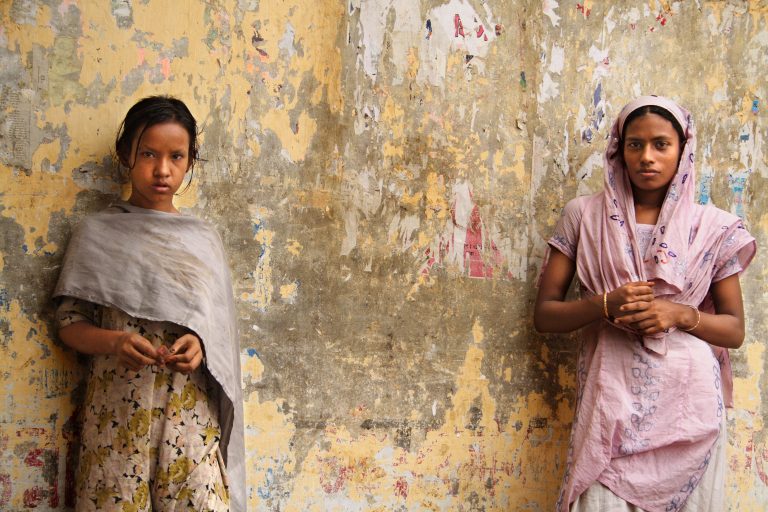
point(429, 29)
point(744, 137)
point(737, 182)
point(25, 248)
point(587, 135)
point(523, 83)
point(705, 189)
point(755, 107)
point(598, 94)
point(264, 492)
point(252, 352)
point(256, 227)
point(5, 301)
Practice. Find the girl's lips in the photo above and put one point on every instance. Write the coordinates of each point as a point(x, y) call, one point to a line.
point(161, 188)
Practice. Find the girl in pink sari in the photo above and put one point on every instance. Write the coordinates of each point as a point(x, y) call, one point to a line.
point(660, 305)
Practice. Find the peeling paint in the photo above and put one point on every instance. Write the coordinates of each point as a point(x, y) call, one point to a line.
point(384, 175)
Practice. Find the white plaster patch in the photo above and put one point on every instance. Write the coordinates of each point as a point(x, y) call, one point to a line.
point(751, 148)
point(286, 42)
point(602, 60)
point(457, 227)
point(548, 8)
point(364, 198)
point(406, 34)
point(595, 160)
point(403, 228)
point(556, 59)
point(548, 89)
point(385, 455)
point(721, 94)
point(705, 175)
point(633, 16)
point(455, 27)
point(609, 23)
point(373, 23)
point(564, 154)
point(517, 258)
point(540, 153)
point(350, 230)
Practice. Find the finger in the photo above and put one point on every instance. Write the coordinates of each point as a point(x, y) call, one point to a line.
point(635, 306)
point(641, 283)
point(137, 357)
point(195, 363)
point(144, 346)
point(182, 343)
point(192, 365)
point(129, 351)
point(633, 318)
point(652, 330)
point(178, 359)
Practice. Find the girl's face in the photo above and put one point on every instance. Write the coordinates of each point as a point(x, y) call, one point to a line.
point(651, 150)
point(158, 163)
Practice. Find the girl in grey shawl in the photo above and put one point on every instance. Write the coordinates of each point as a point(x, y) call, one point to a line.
point(146, 292)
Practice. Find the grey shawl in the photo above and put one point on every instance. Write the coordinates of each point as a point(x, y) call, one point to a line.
point(167, 267)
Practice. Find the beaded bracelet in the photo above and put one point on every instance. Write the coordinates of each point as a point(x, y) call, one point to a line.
point(698, 318)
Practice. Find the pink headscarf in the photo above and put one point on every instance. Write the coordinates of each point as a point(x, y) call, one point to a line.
point(679, 251)
point(620, 435)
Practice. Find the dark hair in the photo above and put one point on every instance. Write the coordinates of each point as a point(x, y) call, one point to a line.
point(654, 109)
point(148, 112)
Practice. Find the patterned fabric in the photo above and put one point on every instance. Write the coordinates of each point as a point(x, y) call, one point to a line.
point(709, 495)
point(192, 289)
point(644, 236)
point(649, 408)
point(150, 439)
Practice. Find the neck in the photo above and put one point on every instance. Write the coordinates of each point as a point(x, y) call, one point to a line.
point(648, 205)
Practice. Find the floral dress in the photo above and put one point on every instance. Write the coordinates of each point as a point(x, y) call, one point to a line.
point(150, 439)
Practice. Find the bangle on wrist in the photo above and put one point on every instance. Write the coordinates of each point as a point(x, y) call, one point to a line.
point(605, 307)
point(698, 318)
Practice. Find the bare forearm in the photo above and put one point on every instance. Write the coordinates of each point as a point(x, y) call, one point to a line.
point(722, 330)
point(567, 316)
point(89, 339)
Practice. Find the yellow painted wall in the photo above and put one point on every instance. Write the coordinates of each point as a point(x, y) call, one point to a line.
point(350, 147)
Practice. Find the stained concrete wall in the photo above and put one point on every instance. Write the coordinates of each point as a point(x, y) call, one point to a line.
point(384, 174)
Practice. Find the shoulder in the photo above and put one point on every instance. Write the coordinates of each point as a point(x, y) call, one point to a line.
point(710, 218)
point(575, 208)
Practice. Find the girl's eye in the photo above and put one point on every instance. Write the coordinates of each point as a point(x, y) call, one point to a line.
point(178, 157)
point(146, 154)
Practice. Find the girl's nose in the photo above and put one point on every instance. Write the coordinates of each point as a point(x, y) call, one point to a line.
point(163, 167)
point(647, 155)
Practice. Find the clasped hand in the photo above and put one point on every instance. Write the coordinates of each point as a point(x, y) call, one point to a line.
point(635, 306)
point(135, 352)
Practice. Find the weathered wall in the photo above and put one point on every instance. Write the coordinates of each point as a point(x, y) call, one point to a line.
point(384, 174)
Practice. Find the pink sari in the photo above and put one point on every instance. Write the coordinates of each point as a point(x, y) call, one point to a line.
point(649, 408)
